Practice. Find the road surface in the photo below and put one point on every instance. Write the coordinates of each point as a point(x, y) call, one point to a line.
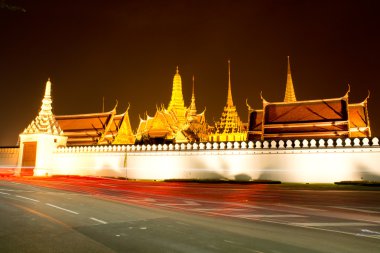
point(74, 214)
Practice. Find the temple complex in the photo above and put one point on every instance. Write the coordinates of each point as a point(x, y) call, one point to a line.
point(321, 140)
point(308, 119)
point(229, 127)
point(287, 119)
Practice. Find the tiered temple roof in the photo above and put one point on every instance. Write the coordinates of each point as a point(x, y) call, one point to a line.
point(229, 127)
point(123, 133)
point(308, 119)
point(97, 128)
point(359, 120)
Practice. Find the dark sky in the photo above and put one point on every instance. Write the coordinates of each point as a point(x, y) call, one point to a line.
point(128, 50)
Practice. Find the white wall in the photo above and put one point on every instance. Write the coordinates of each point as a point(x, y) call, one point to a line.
point(314, 161)
point(8, 160)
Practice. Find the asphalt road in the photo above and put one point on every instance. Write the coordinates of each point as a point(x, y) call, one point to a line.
point(105, 215)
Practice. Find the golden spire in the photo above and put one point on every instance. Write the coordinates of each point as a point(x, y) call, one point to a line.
point(290, 95)
point(176, 103)
point(192, 107)
point(229, 96)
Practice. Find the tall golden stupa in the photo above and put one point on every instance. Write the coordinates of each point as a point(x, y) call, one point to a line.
point(229, 127)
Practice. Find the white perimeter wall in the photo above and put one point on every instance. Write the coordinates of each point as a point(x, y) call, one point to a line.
point(8, 159)
point(322, 161)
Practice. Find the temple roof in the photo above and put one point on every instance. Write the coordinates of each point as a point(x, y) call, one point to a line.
point(90, 129)
point(164, 124)
point(306, 111)
point(122, 129)
point(359, 120)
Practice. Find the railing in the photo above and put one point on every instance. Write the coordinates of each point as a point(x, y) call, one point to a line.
point(274, 144)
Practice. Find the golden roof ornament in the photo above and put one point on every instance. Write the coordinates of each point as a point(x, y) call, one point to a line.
point(229, 95)
point(290, 95)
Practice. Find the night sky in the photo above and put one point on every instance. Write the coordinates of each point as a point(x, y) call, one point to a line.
point(128, 50)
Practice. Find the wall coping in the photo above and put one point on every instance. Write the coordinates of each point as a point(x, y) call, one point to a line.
point(241, 145)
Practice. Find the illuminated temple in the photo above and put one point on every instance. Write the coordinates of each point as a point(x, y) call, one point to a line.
point(321, 140)
point(308, 119)
point(176, 123)
point(288, 119)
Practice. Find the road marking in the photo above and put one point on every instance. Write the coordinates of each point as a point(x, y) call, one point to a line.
point(332, 224)
point(247, 216)
point(61, 208)
point(355, 209)
point(8, 190)
point(35, 200)
point(5, 193)
point(100, 221)
point(321, 229)
point(300, 207)
point(370, 231)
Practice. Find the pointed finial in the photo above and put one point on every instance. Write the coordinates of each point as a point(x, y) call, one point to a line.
point(48, 88)
point(290, 95)
point(229, 95)
point(369, 93)
point(193, 84)
point(249, 107)
point(192, 108)
point(289, 65)
point(177, 71)
point(348, 91)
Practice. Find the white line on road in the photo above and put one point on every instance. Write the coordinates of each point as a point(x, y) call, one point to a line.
point(332, 224)
point(61, 208)
point(100, 221)
point(8, 190)
point(5, 193)
point(370, 231)
point(35, 200)
point(354, 209)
